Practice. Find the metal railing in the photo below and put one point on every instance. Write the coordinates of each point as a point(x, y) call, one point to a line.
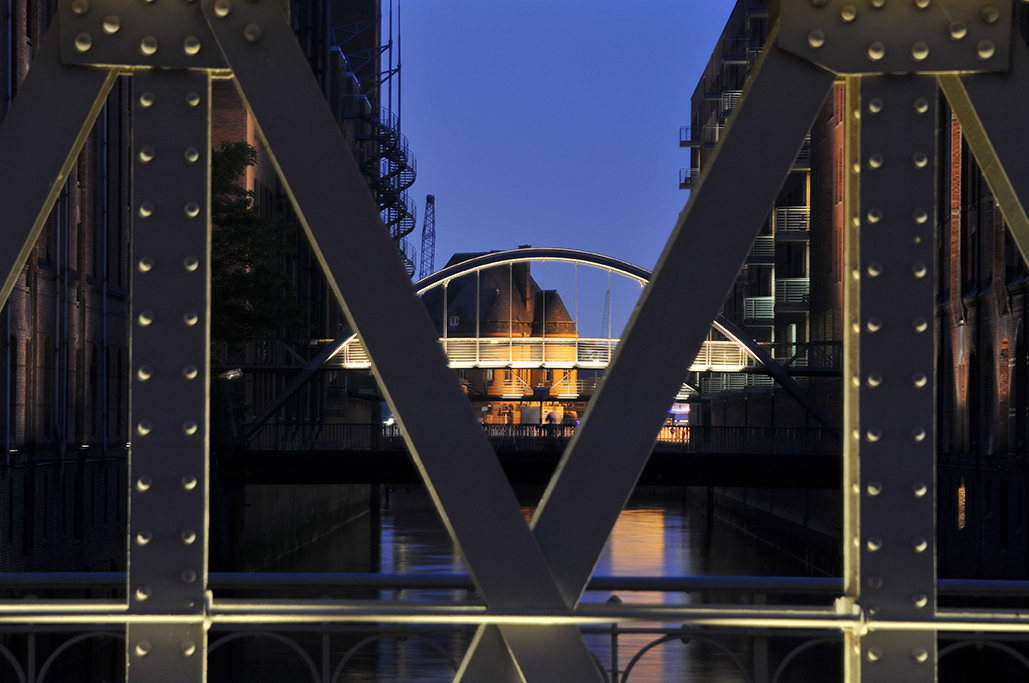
point(791, 219)
point(688, 177)
point(730, 98)
point(792, 290)
point(763, 249)
point(686, 137)
point(759, 307)
point(534, 437)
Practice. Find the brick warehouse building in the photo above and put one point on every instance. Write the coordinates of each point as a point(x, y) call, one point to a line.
point(982, 311)
point(65, 331)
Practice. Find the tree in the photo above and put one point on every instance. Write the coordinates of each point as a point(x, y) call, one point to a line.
point(252, 295)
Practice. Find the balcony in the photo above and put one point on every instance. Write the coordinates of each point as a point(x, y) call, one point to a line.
point(711, 133)
point(802, 162)
point(793, 293)
point(791, 222)
point(759, 310)
point(686, 137)
point(730, 98)
point(688, 178)
point(734, 50)
point(762, 251)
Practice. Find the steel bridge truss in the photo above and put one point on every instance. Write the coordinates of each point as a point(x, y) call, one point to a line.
point(530, 576)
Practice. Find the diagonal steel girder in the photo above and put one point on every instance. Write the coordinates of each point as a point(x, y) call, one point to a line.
point(42, 136)
point(457, 464)
point(603, 462)
point(990, 108)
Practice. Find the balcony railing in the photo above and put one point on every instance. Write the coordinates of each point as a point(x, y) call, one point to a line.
point(688, 177)
point(794, 290)
point(686, 137)
point(791, 219)
point(729, 100)
point(759, 307)
point(762, 250)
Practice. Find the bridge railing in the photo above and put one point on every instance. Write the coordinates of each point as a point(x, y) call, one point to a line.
point(508, 437)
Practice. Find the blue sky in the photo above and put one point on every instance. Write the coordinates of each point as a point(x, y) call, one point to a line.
point(552, 123)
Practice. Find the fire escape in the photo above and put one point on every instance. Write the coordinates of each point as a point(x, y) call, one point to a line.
point(373, 128)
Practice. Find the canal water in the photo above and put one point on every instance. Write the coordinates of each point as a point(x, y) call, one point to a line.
point(658, 534)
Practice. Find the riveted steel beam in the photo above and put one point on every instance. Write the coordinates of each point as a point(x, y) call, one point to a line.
point(39, 142)
point(362, 266)
point(897, 565)
point(168, 459)
point(989, 108)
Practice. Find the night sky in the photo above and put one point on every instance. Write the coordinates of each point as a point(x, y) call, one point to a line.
point(552, 123)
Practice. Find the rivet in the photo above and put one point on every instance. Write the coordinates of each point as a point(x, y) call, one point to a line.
point(989, 14)
point(920, 50)
point(875, 379)
point(145, 318)
point(856, 168)
point(142, 593)
point(189, 482)
point(919, 489)
point(920, 159)
point(187, 647)
point(919, 379)
point(190, 263)
point(874, 215)
point(855, 434)
point(874, 324)
point(875, 106)
point(876, 50)
point(189, 427)
point(144, 483)
point(919, 544)
point(146, 155)
point(875, 160)
point(253, 32)
point(192, 209)
point(192, 154)
point(920, 216)
point(958, 30)
point(872, 609)
point(874, 488)
point(193, 99)
point(190, 318)
point(144, 537)
point(111, 24)
point(145, 372)
point(145, 264)
point(815, 39)
point(146, 209)
point(875, 269)
point(147, 99)
point(919, 270)
point(83, 42)
point(848, 13)
point(917, 239)
point(855, 381)
point(875, 582)
point(819, 3)
point(191, 45)
point(874, 434)
point(142, 648)
point(188, 576)
point(148, 45)
point(188, 537)
point(856, 329)
point(144, 427)
point(918, 434)
point(921, 106)
point(921, 4)
point(855, 274)
point(874, 543)
point(985, 49)
point(874, 654)
point(878, 4)
point(919, 600)
point(80, 6)
point(222, 7)
point(189, 372)
point(920, 324)
point(920, 654)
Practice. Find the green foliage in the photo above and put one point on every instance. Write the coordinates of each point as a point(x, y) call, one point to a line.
point(251, 293)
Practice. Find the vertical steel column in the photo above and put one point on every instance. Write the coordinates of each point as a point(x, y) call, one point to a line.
point(897, 514)
point(169, 408)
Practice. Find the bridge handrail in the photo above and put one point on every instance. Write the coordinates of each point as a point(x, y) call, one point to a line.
point(530, 437)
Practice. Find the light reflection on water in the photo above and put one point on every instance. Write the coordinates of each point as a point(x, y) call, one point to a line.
point(652, 538)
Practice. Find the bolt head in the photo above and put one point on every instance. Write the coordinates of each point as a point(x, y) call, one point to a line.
point(876, 50)
point(253, 33)
point(222, 8)
point(148, 45)
point(919, 51)
point(191, 45)
point(816, 38)
point(144, 592)
point(83, 42)
point(142, 648)
point(985, 49)
point(957, 30)
point(112, 24)
point(80, 6)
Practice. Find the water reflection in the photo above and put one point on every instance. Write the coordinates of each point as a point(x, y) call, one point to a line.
point(654, 536)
